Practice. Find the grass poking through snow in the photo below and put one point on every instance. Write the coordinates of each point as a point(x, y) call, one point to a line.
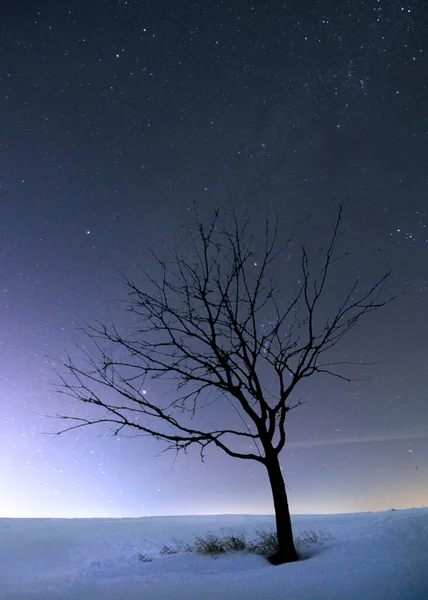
point(264, 543)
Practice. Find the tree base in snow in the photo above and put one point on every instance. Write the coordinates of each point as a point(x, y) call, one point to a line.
point(279, 558)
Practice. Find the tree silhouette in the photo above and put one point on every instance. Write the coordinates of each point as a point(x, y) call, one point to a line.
point(216, 323)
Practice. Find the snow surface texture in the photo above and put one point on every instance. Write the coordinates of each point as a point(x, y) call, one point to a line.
point(366, 556)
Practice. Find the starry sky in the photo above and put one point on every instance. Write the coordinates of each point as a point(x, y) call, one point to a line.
point(123, 120)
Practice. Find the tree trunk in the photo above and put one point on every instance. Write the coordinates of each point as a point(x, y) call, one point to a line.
point(286, 549)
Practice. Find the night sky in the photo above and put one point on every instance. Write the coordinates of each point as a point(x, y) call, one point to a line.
point(123, 121)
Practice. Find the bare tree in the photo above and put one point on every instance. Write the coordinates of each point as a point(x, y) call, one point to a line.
point(217, 323)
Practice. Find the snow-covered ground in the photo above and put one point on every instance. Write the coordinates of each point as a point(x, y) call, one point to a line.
point(367, 556)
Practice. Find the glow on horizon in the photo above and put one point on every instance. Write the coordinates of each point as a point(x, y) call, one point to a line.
point(15, 502)
point(332, 511)
point(375, 502)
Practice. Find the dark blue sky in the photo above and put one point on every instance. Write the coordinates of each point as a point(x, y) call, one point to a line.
point(122, 120)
